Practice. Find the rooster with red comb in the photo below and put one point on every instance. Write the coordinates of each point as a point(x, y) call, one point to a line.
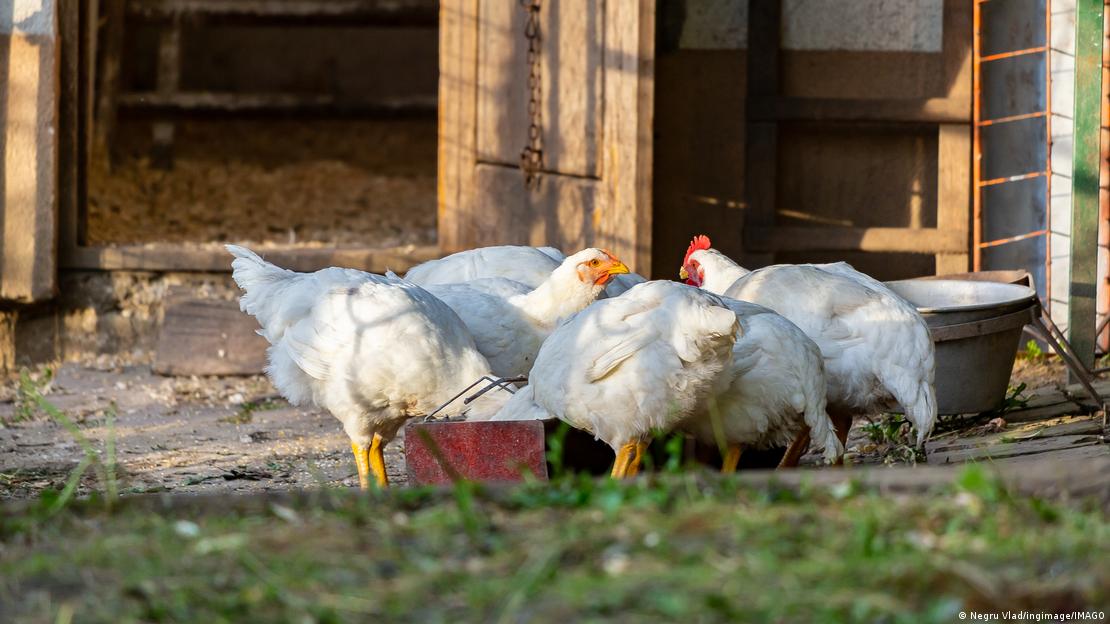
point(707, 268)
point(878, 351)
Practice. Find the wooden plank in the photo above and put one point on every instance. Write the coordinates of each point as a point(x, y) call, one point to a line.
point(1013, 449)
point(108, 89)
point(954, 192)
point(1020, 434)
point(458, 76)
point(571, 74)
point(1087, 117)
point(346, 12)
point(762, 149)
point(208, 337)
point(202, 102)
point(69, 121)
point(503, 86)
point(618, 214)
point(764, 46)
point(168, 81)
point(857, 175)
point(700, 110)
point(876, 239)
point(916, 110)
point(957, 53)
point(29, 89)
point(90, 26)
point(624, 223)
point(1043, 412)
point(169, 257)
point(573, 201)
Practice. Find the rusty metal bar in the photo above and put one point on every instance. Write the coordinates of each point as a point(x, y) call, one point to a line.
point(1048, 158)
point(1003, 55)
point(1013, 239)
point(976, 142)
point(169, 79)
point(991, 122)
point(1014, 178)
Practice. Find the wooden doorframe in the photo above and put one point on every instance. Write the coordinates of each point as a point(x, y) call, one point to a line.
point(77, 21)
point(951, 115)
point(622, 218)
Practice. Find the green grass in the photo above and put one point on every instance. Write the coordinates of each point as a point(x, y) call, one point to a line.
point(680, 545)
point(687, 547)
point(31, 388)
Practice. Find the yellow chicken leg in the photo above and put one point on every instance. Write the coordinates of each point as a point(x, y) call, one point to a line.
point(624, 458)
point(370, 460)
point(732, 458)
point(634, 464)
point(797, 448)
point(362, 462)
point(377, 460)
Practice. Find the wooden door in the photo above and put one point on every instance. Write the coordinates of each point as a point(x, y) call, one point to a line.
point(595, 114)
point(859, 147)
point(28, 150)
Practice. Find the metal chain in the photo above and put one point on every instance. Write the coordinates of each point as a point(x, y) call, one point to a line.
point(531, 157)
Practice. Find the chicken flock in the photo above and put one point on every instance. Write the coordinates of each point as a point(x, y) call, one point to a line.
point(783, 356)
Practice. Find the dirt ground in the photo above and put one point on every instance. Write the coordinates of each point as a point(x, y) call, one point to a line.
point(181, 434)
point(234, 434)
point(336, 182)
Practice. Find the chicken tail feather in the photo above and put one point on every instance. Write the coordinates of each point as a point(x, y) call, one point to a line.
point(261, 283)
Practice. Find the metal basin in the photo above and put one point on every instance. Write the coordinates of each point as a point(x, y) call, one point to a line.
point(976, 327)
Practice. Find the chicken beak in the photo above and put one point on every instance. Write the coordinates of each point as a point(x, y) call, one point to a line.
point(617, 268)
point(683, 274)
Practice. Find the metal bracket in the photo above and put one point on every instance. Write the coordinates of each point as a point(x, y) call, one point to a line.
point(1043, 328)
point(501, 383)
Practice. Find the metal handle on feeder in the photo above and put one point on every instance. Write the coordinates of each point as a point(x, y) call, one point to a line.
point(502, 383)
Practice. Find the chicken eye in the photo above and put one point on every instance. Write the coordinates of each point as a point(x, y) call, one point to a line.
point(595, 262)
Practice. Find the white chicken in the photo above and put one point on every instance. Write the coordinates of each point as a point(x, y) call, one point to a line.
point(627, 366)
point(772, 394)
point(509, 321)
point(877, 348)
point(528, 265)
point(373, 350)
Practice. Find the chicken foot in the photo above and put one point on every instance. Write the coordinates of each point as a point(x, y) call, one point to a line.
point(370, 460)
point(628, 459)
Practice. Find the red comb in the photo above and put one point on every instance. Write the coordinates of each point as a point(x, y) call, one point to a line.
point(699, 243)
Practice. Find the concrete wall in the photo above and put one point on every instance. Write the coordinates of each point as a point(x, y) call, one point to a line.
point(28, 148)
point(859, 25)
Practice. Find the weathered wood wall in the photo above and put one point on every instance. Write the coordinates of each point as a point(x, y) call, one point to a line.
point(595, 108)
point(862, 149)
point(28, 149)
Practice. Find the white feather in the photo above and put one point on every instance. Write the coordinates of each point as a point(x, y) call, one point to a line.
point(373, 350)
point(628, 365)
point(774, 385)
point(878, 351)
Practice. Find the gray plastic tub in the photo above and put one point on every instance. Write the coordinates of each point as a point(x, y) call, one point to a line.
point(976, 327)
